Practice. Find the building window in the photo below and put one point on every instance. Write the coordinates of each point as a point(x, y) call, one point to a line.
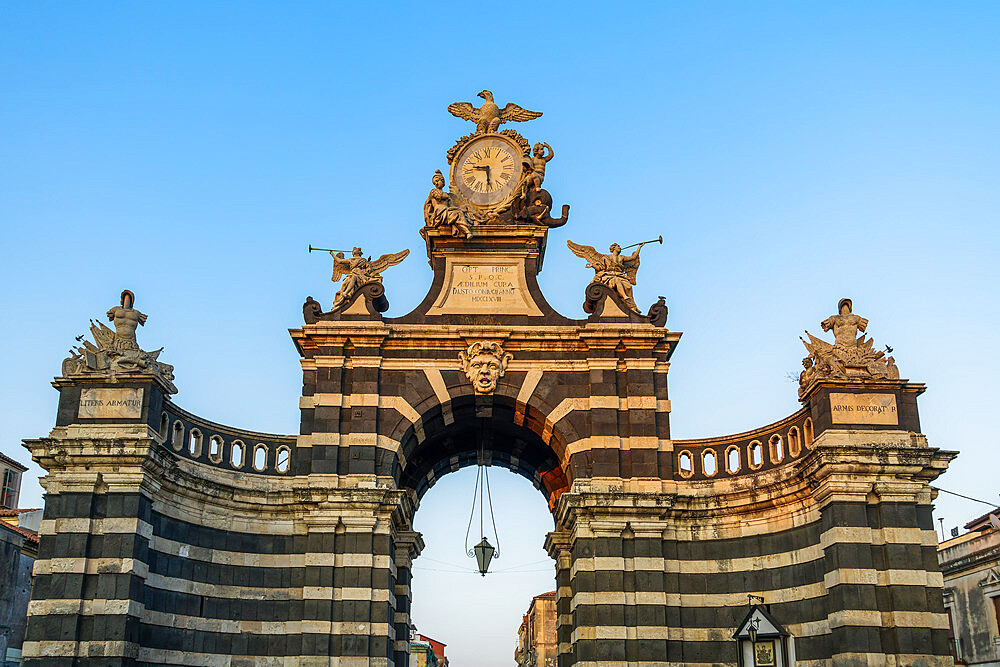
point(215, 449)
point(260, 457)
point(953, 644)
point(236, 454)
point(194, 443)
point(755, 455)
point(777, 449)
point(177, 439)
point(732, 459)
point(282, 459)
point(990, 587)
point(794, 442)
point(685, 464)
point(709, 466)
point(8, 499)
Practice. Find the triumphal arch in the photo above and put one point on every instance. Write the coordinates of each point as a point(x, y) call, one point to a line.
point(171, 539)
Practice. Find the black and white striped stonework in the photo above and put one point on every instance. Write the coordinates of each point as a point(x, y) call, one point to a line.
point(171, 539)
point(155, 589)
point(629, 598)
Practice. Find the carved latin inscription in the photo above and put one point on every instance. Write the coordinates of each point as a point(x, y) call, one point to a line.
point(478, 287)
point(864, 409)
point(107, 403)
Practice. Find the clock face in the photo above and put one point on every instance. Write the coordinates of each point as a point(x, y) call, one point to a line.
point(487, 170)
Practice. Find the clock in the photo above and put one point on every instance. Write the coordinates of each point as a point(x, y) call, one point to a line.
point(487, 170)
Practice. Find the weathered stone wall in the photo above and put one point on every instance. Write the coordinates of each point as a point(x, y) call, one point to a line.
point(15, 581)
point(971, 569)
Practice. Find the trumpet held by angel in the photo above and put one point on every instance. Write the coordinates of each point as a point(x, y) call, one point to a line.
point(613, 269)
point(357, 271)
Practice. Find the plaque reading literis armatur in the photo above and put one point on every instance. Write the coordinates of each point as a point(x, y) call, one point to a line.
point(108, 403)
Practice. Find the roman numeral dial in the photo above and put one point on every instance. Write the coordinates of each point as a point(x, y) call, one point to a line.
point(487, 170)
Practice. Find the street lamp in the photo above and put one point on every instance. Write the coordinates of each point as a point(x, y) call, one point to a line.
point(484, 554)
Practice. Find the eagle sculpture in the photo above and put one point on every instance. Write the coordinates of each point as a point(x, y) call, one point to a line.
point(489, 116)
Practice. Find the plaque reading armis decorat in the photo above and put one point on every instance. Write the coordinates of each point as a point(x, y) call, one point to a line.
point(864, 409)
point(474, 287)
point(124, 403)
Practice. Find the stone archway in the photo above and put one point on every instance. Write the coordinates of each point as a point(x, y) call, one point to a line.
point(169, 538)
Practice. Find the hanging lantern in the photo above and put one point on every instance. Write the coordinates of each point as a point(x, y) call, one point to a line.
point(484, 554)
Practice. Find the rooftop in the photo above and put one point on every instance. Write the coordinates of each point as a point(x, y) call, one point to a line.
point(30, 535)
point(12, 463)
point(15, 512)
point(983, 521)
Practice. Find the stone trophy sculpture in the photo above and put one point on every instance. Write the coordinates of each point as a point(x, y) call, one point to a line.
point(116, 352)
point(850, 357)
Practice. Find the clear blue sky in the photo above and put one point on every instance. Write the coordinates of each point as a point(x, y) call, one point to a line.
point(790, 153)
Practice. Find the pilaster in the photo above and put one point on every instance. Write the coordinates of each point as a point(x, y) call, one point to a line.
point(88, 591)
point(407, 545)
point(558, 544)
point(881, 577)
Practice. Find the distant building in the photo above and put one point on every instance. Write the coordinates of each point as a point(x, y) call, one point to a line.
point(10, 476)
point(18, 551)
point(422, 655)
point(536, 638)
point(970, 564)
point(436, 646)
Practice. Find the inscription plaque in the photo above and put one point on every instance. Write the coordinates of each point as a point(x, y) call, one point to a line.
point(864, 409)
point(108, 403)
point(478, 287)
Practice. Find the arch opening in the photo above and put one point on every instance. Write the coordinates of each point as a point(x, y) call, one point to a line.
point(451, 436)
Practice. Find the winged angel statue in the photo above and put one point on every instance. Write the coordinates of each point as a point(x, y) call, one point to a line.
point(490, 116)
point(357, 271)
point(612, 270)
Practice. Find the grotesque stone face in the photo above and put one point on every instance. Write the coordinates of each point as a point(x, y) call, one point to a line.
point(484, 370)
point(484, 364)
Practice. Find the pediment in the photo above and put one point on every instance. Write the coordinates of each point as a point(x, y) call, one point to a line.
point(767, 625)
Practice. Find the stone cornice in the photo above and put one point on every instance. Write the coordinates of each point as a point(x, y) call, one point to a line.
point(988, 555)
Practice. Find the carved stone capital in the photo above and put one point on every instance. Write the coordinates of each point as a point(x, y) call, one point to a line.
point(408, 545)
